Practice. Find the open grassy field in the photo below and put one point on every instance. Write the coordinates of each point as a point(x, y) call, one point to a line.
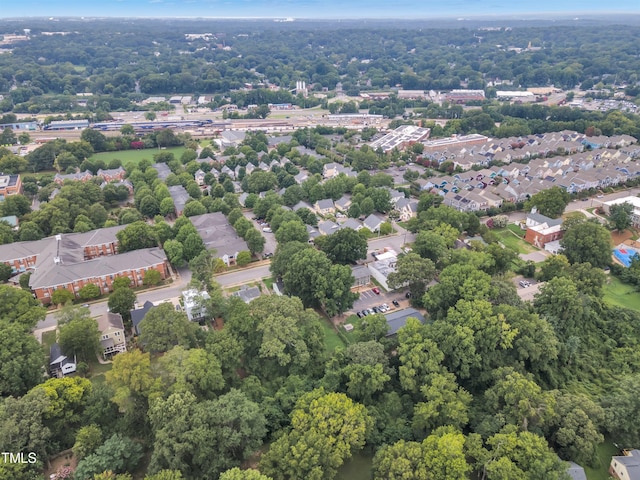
point(605, 451)
point(621, 294)
point(136, 156)
point(331, 338)
point(513, 241)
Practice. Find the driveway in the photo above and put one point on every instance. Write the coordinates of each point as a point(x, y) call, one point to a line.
point(536, 257)
point(270, 244)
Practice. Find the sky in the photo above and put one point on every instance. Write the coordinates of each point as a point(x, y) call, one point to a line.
point(308, 8)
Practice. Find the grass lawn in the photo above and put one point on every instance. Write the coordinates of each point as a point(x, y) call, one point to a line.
point(268, 282)
point(516, 229)
point(605, 451)
point(513, 241)
point(135, 156)
point(48, 339)
point(331, 338)
point(621, 294)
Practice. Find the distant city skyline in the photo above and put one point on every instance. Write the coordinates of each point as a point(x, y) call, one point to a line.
point(309, 8)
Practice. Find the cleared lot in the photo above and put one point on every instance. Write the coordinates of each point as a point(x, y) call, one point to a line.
point(368, 299)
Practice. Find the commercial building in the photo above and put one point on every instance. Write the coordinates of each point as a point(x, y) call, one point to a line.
point(543, 230)
point(9, 185)
point(464, 96)
point(401, 137)
point(633, 201)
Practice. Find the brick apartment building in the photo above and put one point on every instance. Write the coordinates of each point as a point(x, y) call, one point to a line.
point(74, 260)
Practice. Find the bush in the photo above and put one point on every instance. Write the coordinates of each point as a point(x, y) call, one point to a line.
point(152, 277)
point(244, 258)
point(89, 291)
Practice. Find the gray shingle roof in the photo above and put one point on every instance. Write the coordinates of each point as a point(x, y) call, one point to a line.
point(217, 233)
point(397, 320)
point(138, 315)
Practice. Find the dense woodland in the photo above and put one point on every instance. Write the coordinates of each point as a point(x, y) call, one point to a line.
point(488, 388)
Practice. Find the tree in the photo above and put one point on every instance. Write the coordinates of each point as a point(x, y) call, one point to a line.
point(621, 405)
point(21, 360)
point(292, 231)
point(255, 240)
point(444, 454)
point(122, 301)
point(327, 428)
point(149, 206)
point(80, 337)
point(237, 474)
point(550, 202)
point(445, 404)
point(386, 228)
point(414, 271)
point(192, 246)
point(5, 272)
point(575, 428)
point(17, 205)
point(282, 256)
point(61, 296)
point(191, 370)
point(152, 277)
point(193, 208)
point(186, 432)
point(175, 252)
point(587, 242)
point(131, 379)
point(88, 439)
point(419, 356)
point(620, 216)
point(118, 454)
point(345, 246)
point(164, 327)
point(89, 292)
point(136, 236)
point(400, 461)
point(20, 308)
point(313, 278)
point(244, 258)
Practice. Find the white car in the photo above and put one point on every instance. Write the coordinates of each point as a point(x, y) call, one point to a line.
point(267, 230)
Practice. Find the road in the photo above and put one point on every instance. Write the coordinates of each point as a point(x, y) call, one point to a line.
point(100, 308)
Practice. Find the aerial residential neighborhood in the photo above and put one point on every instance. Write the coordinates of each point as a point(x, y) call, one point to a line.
point(299, 248)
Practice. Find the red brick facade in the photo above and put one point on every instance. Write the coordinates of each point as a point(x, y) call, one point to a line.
point(539, 240)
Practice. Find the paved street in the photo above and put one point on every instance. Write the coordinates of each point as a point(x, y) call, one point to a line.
point(243, 276)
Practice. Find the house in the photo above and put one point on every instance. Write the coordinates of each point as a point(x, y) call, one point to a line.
point(163, 170)
point(219, 235)
point(373, 222)
point(324, 207)
point(542, 230)
point(576, 472)
point(351, 223)
point(247, 294)
point(328, 227)
point(302, 204)
point(343, 203)
point(10, 185)
point(112, 174)
point(361, 275)
point(408, 208)
point(194, 305)
point(112, 334)
point(199, 177)
point(180, 197)
point(395, 195)
point(398, 319)
point(59, 364)
point(627, 466)
point(301, 177)
point(138, 315)
point(77, 177)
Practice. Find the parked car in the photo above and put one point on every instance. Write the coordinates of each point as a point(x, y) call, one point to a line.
point(85, 305)
point(267, 255)
point(369, 311)
point(376, 290)
point(396, 303)
point(376, 310)
point(364, 313)
point(267, 230)
point(407, 295)
point(359, 314)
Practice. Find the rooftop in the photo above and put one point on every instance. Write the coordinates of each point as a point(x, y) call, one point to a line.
point(397, 320)
point(217, 233)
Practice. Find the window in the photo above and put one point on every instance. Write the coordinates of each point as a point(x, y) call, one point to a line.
point(117, 334)
point(104, 337)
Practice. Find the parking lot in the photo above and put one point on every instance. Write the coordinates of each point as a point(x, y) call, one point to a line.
point(271, 243)
point(369, 299)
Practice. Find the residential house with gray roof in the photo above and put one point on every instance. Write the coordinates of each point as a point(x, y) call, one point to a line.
point(373, 222)
point(180, 197)
point(219, 235)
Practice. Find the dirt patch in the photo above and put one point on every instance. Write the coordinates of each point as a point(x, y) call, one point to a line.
point(620, 237)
